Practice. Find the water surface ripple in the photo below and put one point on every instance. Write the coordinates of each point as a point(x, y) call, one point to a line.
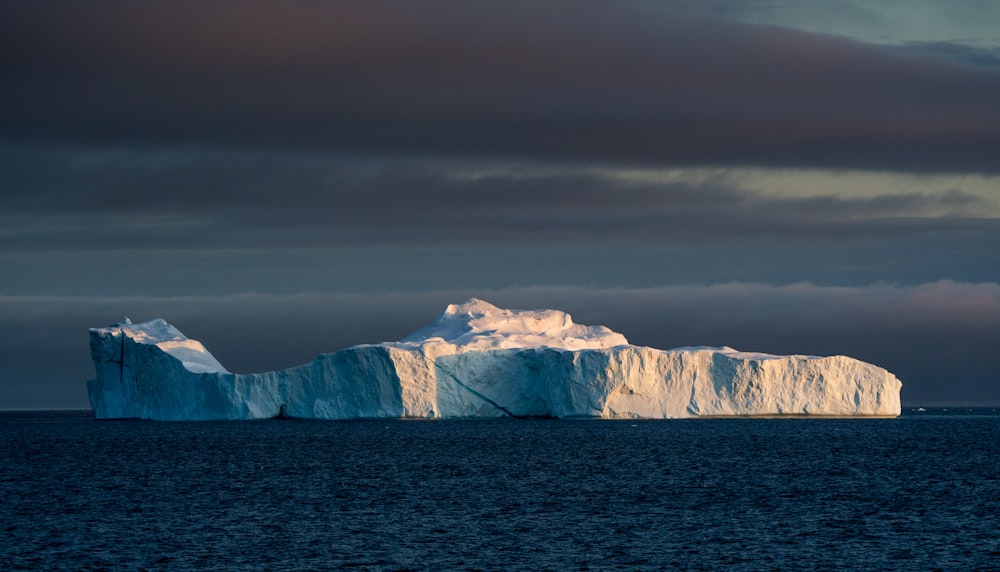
point(918, 492)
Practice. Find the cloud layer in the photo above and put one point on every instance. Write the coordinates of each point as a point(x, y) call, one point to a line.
point(581, 81)
point(188, 199)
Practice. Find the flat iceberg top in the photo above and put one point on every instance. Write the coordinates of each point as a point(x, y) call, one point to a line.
point(734, 353)
point(159, 333)
point(479, 325)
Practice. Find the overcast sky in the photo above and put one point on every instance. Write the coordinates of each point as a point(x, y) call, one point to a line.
point(280, 179)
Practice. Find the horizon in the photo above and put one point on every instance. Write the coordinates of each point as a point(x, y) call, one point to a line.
point(281, 180)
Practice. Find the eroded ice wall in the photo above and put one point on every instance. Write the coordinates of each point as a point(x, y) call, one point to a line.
point(478, 360)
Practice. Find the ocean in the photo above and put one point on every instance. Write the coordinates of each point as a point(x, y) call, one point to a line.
point(918, 492)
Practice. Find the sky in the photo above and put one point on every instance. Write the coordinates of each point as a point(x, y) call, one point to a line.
point(284, 178)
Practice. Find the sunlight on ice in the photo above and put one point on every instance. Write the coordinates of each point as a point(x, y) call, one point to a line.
point(478, 360)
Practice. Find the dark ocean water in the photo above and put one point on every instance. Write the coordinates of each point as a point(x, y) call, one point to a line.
point(918, 492)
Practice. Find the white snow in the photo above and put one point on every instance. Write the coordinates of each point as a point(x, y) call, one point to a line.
point(476, 325)
point(726, 350)
point(478, 360)
point(159, 333)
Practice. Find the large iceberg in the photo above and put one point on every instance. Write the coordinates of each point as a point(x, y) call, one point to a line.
point(478, 360)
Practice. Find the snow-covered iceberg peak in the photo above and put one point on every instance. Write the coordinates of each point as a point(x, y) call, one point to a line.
point(191, 353)
point(478, 325)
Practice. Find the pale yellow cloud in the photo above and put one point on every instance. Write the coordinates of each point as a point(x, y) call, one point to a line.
point(971, 195)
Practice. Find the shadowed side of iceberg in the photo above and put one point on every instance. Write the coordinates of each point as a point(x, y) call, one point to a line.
point(145, 381)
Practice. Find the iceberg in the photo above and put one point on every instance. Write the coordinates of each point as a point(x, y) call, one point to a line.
point(478, 360)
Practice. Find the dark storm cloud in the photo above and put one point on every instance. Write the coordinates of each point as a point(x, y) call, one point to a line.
point(186, 199)
point(550, 80)
point(939, 338)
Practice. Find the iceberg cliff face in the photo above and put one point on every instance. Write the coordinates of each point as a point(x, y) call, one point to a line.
point(478, 360)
